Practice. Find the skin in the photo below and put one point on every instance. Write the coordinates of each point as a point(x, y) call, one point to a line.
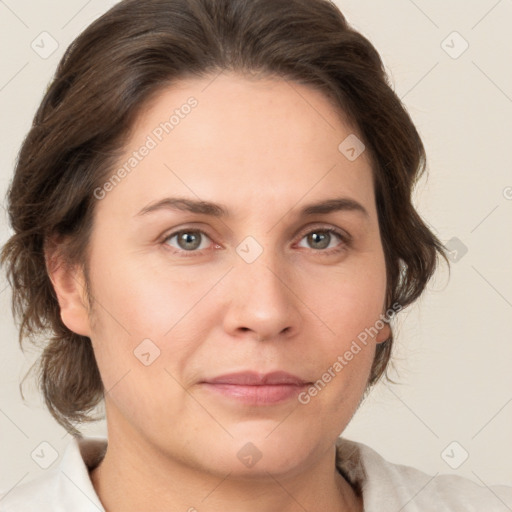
point(264, 148)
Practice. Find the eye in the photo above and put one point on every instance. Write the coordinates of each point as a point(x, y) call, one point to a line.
point(192, 241)
point(320, 239)
point(188, 240)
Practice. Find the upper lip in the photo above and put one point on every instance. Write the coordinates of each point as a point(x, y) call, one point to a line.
point(251, 378)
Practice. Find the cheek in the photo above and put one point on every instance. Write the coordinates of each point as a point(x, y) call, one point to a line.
point(138, 313)
point(155, 302)
point(143, 302)
point(351, 298)
point(350, 304)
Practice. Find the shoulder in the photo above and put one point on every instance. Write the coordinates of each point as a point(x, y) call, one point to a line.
point(388, 486)
point(67, 485)
point(29, 495)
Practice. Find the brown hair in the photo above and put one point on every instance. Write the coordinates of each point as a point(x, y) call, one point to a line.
point(111, 71)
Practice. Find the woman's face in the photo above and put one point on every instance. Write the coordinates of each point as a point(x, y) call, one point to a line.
point(264, 287)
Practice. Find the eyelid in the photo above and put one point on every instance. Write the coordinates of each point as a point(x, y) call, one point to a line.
point(322, 226)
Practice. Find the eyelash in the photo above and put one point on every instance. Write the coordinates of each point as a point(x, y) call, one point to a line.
point(345, 238)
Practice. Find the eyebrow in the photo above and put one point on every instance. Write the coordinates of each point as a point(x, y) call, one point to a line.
point(217, 210)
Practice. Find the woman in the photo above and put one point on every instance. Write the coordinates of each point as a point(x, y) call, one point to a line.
point(213, 217)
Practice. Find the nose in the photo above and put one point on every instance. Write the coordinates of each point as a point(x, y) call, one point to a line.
point(262, 302)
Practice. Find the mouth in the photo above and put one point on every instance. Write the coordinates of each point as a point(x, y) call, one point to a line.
point(254, 388)
point(251, 378)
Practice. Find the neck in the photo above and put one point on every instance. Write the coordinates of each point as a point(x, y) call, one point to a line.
point(135, 476)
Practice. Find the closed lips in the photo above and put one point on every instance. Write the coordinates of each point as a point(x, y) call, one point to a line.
point(250, 378)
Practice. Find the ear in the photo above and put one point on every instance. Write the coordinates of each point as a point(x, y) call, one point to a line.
point(384, 333)
point(69, 285)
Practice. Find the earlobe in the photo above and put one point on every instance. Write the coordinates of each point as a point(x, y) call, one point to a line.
point(384, 333)
point(69, 285)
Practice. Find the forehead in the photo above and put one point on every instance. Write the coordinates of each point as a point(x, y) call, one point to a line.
point(244, 140)
point(270, 110)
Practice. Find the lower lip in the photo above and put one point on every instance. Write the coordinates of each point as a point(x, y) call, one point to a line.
point(257, 395)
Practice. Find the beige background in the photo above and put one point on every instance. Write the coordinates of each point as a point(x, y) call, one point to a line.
point(455, 347)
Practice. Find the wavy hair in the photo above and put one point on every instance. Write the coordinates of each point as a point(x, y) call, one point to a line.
point(112, 70)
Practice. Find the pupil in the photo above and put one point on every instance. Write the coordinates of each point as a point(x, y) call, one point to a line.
point(319, 238)
point(188, 241)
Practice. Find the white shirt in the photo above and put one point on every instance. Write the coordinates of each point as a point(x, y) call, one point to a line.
point(386, 487)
